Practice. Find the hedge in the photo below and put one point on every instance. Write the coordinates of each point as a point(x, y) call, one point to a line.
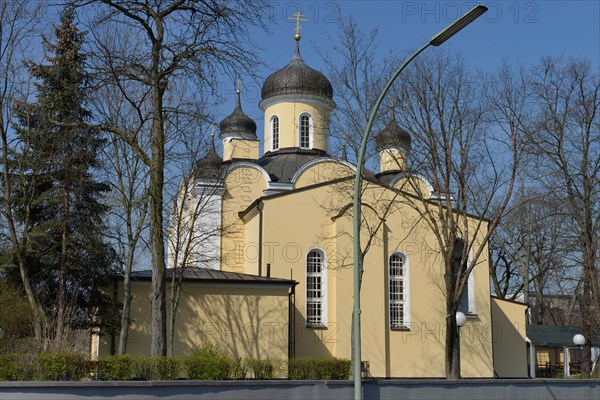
point(205, 363)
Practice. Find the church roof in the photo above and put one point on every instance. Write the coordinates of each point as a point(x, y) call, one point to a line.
point(210, 166)
point(297, 78)
point(238, 124)
point(392, 136)
point(212, 275)
point(283, 164)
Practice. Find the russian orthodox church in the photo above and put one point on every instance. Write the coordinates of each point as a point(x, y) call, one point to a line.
point(262, 244)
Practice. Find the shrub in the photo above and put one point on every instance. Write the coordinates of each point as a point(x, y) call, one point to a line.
point(168, 368)
point(326, 368)
point(263, 369)
point(209, 363)
point(116, 368)
point(9, 368)
point(60, 367)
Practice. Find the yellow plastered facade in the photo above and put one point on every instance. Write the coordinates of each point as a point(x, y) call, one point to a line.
point(509, 338)
point(240, 149)
point(245, 321)
point(289, 114)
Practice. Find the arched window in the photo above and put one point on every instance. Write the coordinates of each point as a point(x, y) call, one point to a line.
point(398, 291)
point(316, 288)
point(275, 133)
point(305, 131)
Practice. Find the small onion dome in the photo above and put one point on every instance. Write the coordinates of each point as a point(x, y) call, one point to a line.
point(297, 79)
point(392, 136)
point(210, 166)
point(238, 124)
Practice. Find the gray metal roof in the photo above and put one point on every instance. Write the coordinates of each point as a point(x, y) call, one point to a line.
point(211, 275)
point(555, 336)
point(297, 78)
point(281, 165)
point(238, 124)
point(392, 136)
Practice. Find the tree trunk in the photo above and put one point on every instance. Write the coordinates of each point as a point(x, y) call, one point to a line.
point(60, 322)
point(452, 347)
point(123, 335)
point(159, 293)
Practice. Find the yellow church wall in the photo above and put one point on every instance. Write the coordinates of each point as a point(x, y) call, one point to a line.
point(295, 223)
point(292, 226)
point(240, 149)
point(244, 185)
point(289, 117)
point(414, 185)
point(245, 321)
point(510, 349)
point(323, 171)
point(391, 159)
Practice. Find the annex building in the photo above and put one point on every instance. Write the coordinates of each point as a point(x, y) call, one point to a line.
point(261, 242)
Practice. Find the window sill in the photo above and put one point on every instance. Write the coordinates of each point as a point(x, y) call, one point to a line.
point(315, 326)
point(401, 329)
point(472, 316)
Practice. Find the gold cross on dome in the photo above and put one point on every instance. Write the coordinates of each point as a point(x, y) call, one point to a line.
point(239, 85)
point(298, 18)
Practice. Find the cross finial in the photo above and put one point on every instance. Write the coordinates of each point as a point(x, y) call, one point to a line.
point(239, 85)
point(298, 18)
point(212, 137)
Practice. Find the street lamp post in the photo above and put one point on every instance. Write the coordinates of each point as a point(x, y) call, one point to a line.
point(579, 341)
point(461, 320)
point(437, 40)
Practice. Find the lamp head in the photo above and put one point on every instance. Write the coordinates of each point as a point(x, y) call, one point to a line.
point(579, 339)
point(461, 319)
point(457, 25)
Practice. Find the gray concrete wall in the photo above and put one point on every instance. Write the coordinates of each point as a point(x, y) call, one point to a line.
point(250, 390)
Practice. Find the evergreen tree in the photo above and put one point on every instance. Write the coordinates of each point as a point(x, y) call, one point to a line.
point(67, 253)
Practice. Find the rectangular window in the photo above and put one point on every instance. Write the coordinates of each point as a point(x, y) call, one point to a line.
point(398, 300)
point(315, 288)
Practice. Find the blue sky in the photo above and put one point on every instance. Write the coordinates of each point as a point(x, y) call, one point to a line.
point(515, 31)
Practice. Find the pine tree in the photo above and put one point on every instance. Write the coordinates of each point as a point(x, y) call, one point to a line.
point(67, 252)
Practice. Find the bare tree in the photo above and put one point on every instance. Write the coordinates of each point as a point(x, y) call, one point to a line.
point(181, 40)
point(359, 70)
point(194, 233)
point(532, 241)
point(566, 147)
point(18, 21)
point(128, 177)
point(471, 167)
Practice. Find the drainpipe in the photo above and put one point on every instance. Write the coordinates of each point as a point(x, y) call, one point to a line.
point(260, 237)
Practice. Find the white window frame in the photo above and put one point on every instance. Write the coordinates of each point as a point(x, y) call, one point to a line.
point(317, 300)
point(310, 130)
point(406, 288)
point(272, 132)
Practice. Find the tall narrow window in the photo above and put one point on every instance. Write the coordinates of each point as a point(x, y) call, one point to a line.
point(398, 291)
point(466, 301)
point(315, 288)
point(305, 131)
point(275, 133)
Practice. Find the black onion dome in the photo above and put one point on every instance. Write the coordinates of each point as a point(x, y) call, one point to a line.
point(297, 78)
point(210, 166)
point(238, 124)
point(392, 136)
